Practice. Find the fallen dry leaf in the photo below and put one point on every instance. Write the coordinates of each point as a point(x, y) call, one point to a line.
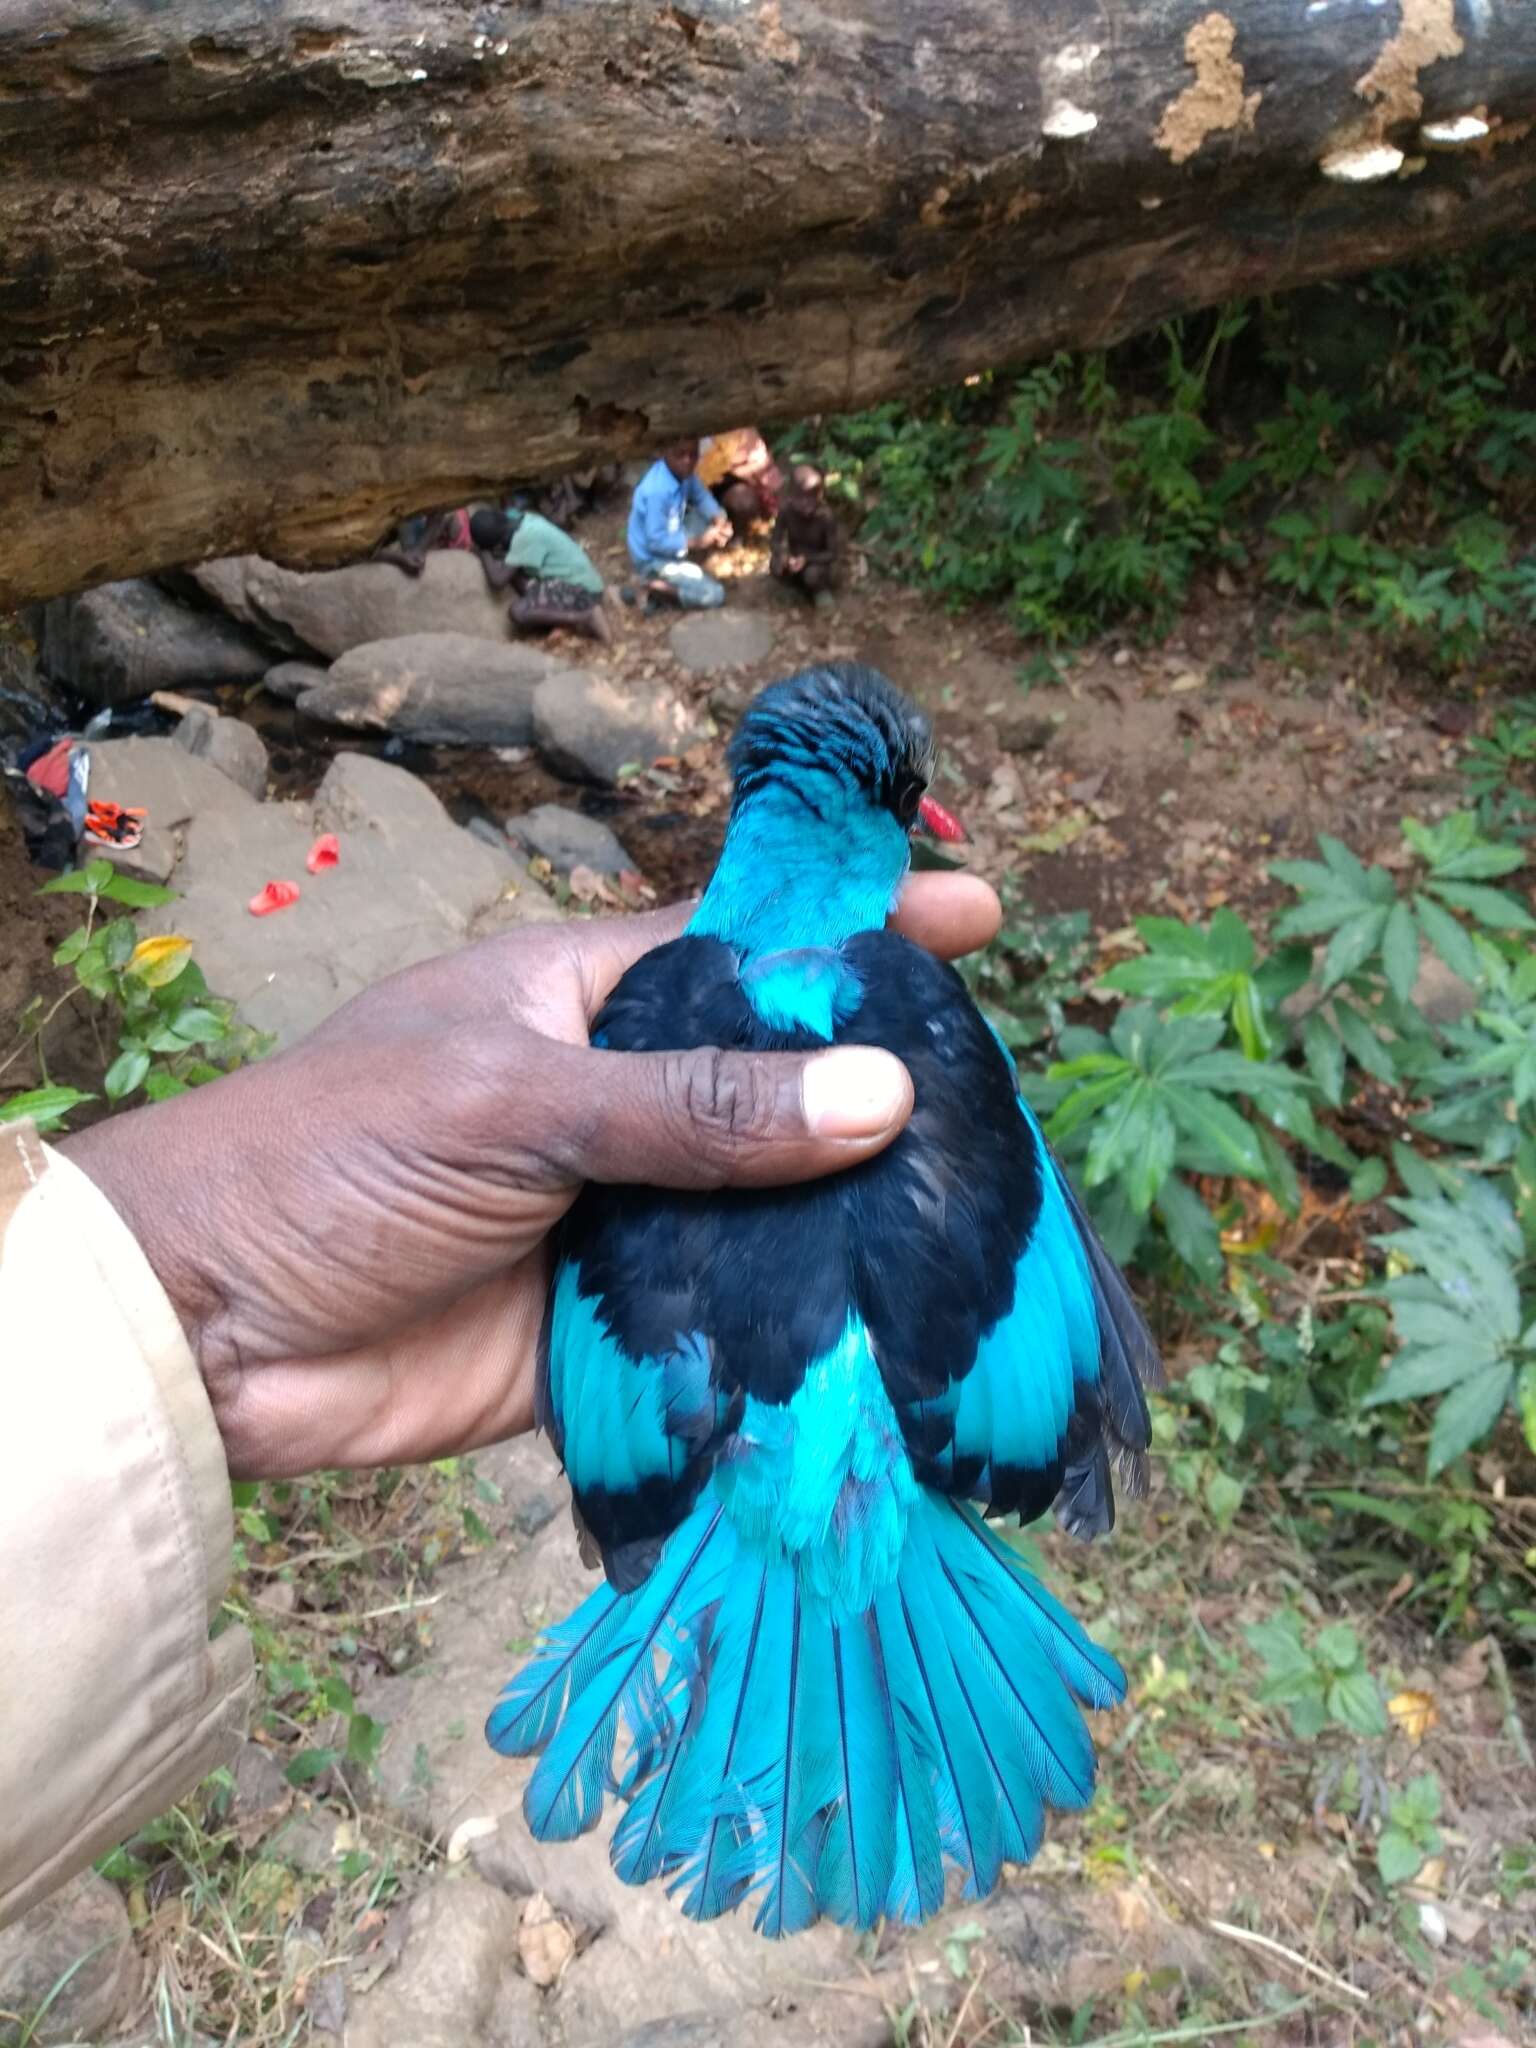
point(1414, 1712)
point(544, 1943)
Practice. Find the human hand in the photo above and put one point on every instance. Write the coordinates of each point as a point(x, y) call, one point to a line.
point(353, 1232)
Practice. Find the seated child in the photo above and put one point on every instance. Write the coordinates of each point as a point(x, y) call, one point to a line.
point(807, 547)
point(553, 578)
point(672, 515)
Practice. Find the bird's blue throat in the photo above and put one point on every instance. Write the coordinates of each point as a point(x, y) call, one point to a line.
point(806, 863)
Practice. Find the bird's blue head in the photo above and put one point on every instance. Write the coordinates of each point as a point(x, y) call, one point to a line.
point(831, 768)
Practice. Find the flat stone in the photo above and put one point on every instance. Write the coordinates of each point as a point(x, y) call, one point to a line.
point(589, 727)
point(290, 679)
point(410, 884)
point(260, 1785)
point(120, 641)
point(567, 840)
point(440, 689)
point(233, 747)
point(722, 639)
point(331, 610)
point(76, 1944)
point(456, 1980)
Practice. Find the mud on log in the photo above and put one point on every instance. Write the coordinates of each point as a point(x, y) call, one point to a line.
point(275, 271)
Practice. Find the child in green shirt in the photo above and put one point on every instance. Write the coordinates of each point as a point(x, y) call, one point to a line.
point(552, 577)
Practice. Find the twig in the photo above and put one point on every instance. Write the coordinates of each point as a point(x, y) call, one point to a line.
point(1514, 1727)
point(1278, 1948)
point(1202, 2030)
point(965, 2004)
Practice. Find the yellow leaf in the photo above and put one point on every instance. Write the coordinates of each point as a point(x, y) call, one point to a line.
point(158, 961)
point(1414, 1712)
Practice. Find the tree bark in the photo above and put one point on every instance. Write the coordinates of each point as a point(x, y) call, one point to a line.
point(273, 272)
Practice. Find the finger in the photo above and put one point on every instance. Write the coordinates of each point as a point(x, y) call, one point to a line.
point(708, 1118)
point(948, 914)
point(607, 947)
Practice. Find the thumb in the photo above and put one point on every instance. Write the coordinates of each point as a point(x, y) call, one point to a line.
point(708, 1118)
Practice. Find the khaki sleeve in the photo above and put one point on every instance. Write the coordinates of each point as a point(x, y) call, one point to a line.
point(115, 1535)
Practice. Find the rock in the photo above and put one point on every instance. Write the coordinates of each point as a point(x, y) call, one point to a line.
point(291, 679)
point(1022, 732)
point(410, 883)
point(589, 727)
point(259, 1782)
point(441, 689)
point(78, 1946)
point(724, 639)
point(229, 744)
point(122, 640)
point(1439, 996)
point(331, 610)
point(568, 840)
point(456, 1980)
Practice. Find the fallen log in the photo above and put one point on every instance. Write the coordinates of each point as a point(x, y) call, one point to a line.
point(274, 272)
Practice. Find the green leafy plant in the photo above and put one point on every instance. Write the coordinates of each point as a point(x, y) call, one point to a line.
point(1197, 973)
point(1374, 925)
point(1466, 1330)
point(1161, 1096)
point(1320, 1679)
point(1410, 1836)
point(158, 1028)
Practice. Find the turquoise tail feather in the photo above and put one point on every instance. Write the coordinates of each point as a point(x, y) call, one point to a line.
point(769, 1743)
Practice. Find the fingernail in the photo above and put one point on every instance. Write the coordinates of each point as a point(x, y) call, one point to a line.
point(856, 1092)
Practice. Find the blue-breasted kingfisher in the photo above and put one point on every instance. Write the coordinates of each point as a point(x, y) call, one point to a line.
point(816, 1680)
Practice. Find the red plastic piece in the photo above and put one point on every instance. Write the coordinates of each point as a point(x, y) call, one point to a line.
point(325, 853)
point(275, 896)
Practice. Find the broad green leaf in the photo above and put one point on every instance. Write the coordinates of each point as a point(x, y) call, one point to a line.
point(136, 895)
point(117, 942)
point(1231, 942)
point(1352, 945)
point(1191, 1229)
point(1278, 1642)
point(310, 1764)
point(72, 947)
point(1467, 1415)
point(87, 881)
point(1495, 908)
point(1398, 1857)
point(1172, 935)
point(1419, 1800)
point(1215, 1125)
point(1414, 1171)
point(197, 1024)
point(1413, 1374)
point(47, 1107)
point(1325, 1056)
point(162, 1087)
point(1223, 1496)
point(1354, 1699)
point(1525, 1396)
point(1085, 1102)
point(1448, 939)
point(1479, 864)
point(1365, 1048)
point(1400, 951)
point(1338, 1646)
point(1368, 1180)
point(1119, 1135)
point(125, 1074)
point(1153, 1161)
point(1340, 860)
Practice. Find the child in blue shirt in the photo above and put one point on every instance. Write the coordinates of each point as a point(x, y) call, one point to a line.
point(670, 516)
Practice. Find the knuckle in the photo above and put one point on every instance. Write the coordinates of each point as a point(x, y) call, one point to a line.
point(726, 1103)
